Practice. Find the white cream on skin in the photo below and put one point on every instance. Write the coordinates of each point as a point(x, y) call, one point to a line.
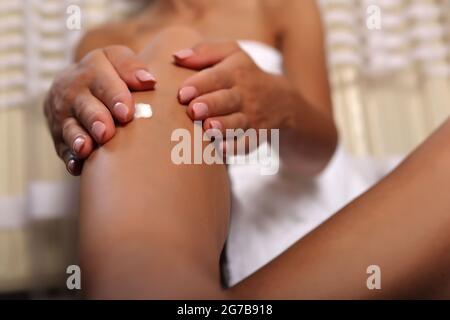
point(143, 111)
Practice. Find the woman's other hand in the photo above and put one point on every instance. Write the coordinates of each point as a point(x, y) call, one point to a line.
point(231, 91)
point(86, 99)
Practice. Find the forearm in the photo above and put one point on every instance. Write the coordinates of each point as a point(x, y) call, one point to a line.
point(309, 137)
point(313, 135)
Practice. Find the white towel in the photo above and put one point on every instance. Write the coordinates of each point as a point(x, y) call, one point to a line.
point(270, 213)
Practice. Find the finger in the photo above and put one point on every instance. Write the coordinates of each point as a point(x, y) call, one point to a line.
point(230, 122)
point(73, 165)
point(206, 81)
point(217, 103)
point(130, 67)
point(94, 117)
point(109, 88)
point(205, 54)
point(81, 144)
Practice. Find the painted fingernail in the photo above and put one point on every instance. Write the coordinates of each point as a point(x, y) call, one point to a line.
point(215, 124)
point(200, 110)
point(71, 166)
point(98, 130)
point(184, 54)
point(121, 111)
point(186, 94)
point(78, 145)
point(145, 76)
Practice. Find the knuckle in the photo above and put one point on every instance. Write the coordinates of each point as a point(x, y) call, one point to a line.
point(235, 97)
point(85, 112)
point(241, 73)
point(98, 85)
point(67, 126)
point(238, 74)
point(108, 90)
point(77, 105)
point(66, 100)
point(214, 77)
point(82, 75)
point(60, 111)
point(92, 115)
point(64, 87)
point(92, 57)
point(220, 78)
point(227, 102)
point(228, 79)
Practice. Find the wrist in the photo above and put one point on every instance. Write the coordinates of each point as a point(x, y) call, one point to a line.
point(289, 102)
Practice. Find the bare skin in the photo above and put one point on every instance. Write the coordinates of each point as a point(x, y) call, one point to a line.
point(182, 225)
point(156, 230)
point(84, 100)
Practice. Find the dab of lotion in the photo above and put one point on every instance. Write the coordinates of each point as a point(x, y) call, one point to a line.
point(143, 110)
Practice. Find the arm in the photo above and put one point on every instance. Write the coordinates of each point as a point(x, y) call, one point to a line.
point(311, 138)
point(240, 95)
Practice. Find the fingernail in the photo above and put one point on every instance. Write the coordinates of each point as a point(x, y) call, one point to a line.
point(186, 94)
point(215, 124)
point(184, 54)
point(78, 145)
point(98, 130)
point(121, 111)
point(71, 166)
point(145, 76)
point(200, 110)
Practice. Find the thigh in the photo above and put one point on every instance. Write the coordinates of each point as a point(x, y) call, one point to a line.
point(401, 226)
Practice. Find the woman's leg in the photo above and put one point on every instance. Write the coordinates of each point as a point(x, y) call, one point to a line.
point(150, 228)
point(402, 225)
point(155, 230)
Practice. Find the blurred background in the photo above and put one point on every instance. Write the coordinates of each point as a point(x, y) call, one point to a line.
point(391, 88)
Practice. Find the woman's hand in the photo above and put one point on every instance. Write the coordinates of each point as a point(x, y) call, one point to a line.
point(85, 99)
point(230, 92)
